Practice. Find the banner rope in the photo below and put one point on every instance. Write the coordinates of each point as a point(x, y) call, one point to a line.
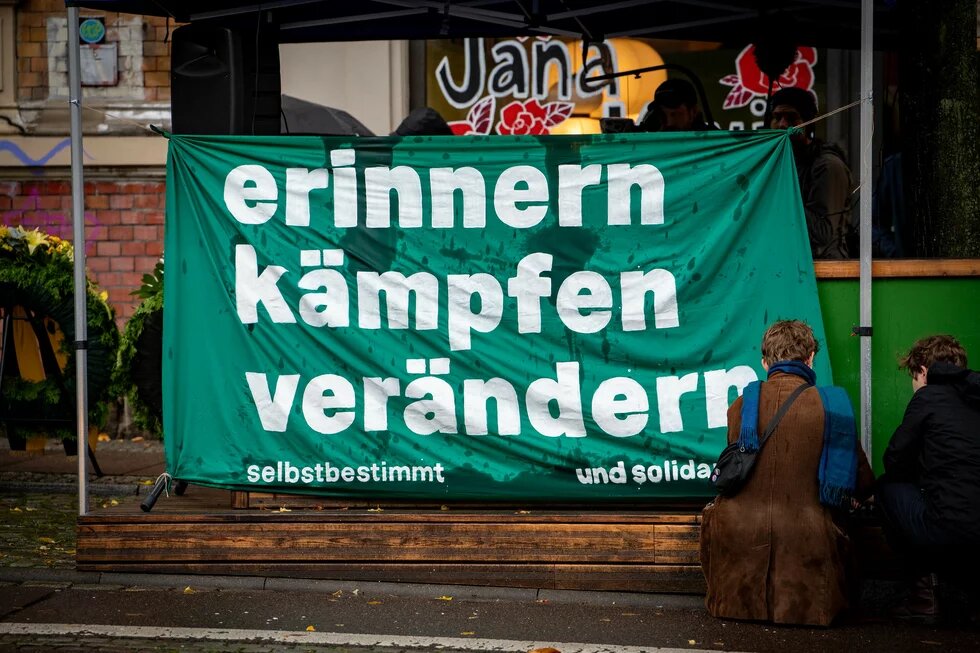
point(148, 128)
point(167, 479)
point(830, 113)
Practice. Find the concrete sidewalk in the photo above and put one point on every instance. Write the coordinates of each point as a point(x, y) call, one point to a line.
point(128, 463)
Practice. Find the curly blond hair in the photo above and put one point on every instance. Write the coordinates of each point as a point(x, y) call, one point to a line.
point(788, 340)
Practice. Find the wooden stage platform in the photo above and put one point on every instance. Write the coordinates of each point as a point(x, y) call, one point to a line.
point(290, 536)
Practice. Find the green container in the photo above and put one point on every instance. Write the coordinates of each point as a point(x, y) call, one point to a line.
point(903, 310)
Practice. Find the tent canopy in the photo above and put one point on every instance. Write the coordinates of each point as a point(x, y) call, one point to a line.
point(827, 23)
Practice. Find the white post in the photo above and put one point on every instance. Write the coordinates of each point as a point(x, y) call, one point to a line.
point(867, 117)
point(78, 238)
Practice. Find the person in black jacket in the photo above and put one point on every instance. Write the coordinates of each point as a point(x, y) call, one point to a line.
point(821, 167)
point(929, 495)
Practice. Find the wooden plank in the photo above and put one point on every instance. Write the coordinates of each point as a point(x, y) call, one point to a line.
point(385, 516)
point(637, 578)
point(276, 501)
point(677, 545)
point(527, 542)
point(899, 268)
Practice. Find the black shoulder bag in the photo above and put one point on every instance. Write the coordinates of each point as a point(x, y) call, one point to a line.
point(735, 464)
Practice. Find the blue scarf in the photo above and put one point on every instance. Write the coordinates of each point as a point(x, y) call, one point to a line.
point(838, 461)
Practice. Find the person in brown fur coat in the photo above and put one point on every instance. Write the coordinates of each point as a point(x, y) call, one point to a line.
point(776, 551)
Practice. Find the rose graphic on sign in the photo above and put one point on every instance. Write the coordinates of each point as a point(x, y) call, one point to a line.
point(517, 118)
point(749, 82)
point(531, 118)
point(478, 120)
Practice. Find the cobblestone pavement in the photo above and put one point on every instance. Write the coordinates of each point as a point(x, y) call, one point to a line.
point(35, 644)
point(38, 529)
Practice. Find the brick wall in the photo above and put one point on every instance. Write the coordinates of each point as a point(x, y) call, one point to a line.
point(143, 61)
point(123, 228)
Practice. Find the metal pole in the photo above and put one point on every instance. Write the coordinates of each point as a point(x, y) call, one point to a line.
point(78, 236)
point(867, 117)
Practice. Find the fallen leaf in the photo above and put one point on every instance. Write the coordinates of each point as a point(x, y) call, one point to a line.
point(188, 590)
point(630, 614)
point(338, 593)
point(46, 540)
point(29, 509)
point(338, 625)
point(444, 507)
point(523, 512)
point(310, 629)
point(138, 438)
point(542, 601)
point(691, 642)
point(605, 619)
point(147, 482)
point(468, 632)
point(444, 598)
point(378, 509)
point(16, 510)
point(113, 502)
point(374, 602)
point(103, 437)
point(284, 509)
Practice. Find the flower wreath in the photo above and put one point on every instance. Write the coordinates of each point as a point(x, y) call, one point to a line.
point(37, 274)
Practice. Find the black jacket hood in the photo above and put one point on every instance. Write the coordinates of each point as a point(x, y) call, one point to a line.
point(966, 382)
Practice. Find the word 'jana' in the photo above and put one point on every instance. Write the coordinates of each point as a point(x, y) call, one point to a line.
point(619, 407)
point(583, 302)
point(520, 196)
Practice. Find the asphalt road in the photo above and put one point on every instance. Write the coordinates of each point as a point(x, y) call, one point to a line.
point(618, 622)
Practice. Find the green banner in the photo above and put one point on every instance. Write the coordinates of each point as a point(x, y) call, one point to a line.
point(511, 318)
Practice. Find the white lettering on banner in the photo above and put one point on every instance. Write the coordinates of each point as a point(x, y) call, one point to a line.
point(273, 409)
point(619, 406)
point(284, 471)
point(397, 288)
point(253, 288)
point(520, 198)
point(667, 472)
point(462, 320)
point(583, 302)
point(299, 183)
point(717, 383)
point(251, 194)
point(328, 392)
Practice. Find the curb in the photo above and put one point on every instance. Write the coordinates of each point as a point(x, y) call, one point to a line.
point(318, 586)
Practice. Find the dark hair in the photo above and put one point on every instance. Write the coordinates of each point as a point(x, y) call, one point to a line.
point(933, 349)
point(788, 340)
point(675, 92)
point(798, 98)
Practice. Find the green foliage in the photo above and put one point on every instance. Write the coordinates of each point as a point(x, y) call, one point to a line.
point(122, 379)
point(152, 283)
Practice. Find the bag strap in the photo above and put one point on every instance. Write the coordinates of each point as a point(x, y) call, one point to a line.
point(774, 422)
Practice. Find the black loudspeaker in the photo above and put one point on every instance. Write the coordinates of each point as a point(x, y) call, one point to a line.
point(225, 80)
